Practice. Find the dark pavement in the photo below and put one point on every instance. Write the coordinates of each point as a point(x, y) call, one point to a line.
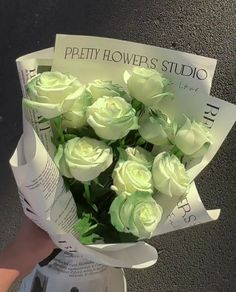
point(197, 259)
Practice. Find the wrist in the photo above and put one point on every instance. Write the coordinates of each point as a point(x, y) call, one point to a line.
point(9, 271)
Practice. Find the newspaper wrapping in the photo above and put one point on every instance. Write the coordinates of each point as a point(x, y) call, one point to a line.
point(44, 198)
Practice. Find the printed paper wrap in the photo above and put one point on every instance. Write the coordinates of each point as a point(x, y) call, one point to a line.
point(43, 195)
point(74, 273)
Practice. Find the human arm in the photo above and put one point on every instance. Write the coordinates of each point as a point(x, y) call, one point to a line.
point(30, 246)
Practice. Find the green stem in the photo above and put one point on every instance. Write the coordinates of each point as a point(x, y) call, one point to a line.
point(174, 150)
point(87, 196)
point(61, 135)
point(141, 110)
point(122, 142)
point(87, 191)
point(57, 123)
point(97, 182)
point(180, 155)
point(177, 152)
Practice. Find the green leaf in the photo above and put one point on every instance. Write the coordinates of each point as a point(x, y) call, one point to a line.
point(123, 154)
point(68, 137)
point(89, 239)
point(57, 121)
point(57, 125)
point(86, 228)
point(137, 105)
point(55, 141)
point(140, 141)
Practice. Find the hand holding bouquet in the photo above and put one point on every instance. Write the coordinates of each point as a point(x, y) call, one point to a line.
point(111, 146)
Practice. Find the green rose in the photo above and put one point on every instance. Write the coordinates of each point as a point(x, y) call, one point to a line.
point(146, 85)
point(140, 155)
point(52, 93)
point(111, 117)
point(193, 139)
point(138, 214)
point(76, 117)
point(130, 176)
point(157, 129)
point(86, 158)
point(100, 88)
point(169, 175)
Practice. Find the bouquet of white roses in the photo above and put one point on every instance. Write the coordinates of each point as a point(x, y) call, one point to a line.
point(113, 140)
point(104, 139)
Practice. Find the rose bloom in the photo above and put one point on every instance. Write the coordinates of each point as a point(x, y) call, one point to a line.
point(193, 139)
point(137, 213)
point(146, 85)
point(169, 175)
point(52, 93)
point(59, 160)
point(101, 88)
point(84, 158)
point(111, 117)
point(140, 155)
point(157, 129)
point(75, 118)
point(131, 176)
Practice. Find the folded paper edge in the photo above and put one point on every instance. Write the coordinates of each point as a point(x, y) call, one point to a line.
point(214, 214)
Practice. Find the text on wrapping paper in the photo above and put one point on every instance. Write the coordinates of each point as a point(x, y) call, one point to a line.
point(107, 55)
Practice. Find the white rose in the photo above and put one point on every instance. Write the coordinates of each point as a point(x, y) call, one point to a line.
point(138, 214)
point(146, 85)
point(140, 155)
point(157, 128)
point(111, 117)
point(76, 117)
point(193, 139)
point(130, 176)
point(60, 162)
point(169, 175)
point(87, 158)
point(52, 93)
point(101, 88)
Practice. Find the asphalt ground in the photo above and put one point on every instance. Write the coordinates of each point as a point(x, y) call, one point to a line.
point(201, 258)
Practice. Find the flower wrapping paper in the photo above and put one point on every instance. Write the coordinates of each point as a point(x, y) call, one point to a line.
point(41, 188)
